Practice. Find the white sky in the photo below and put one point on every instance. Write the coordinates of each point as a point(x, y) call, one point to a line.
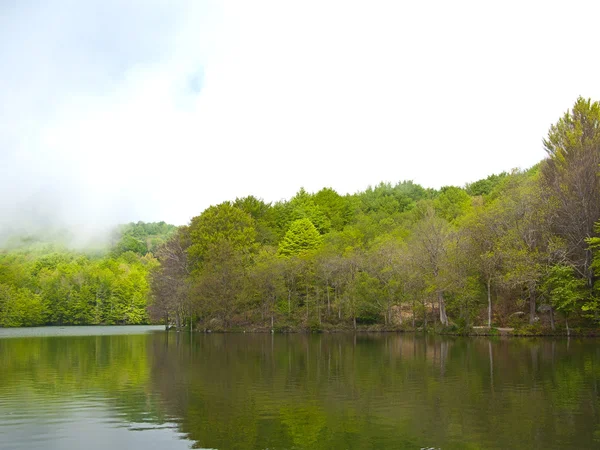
point(112, 111)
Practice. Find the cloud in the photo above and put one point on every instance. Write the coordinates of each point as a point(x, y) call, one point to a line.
point(116, 111)
point(84, 86)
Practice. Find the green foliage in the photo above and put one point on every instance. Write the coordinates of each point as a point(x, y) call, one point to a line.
point(571, 182)
point(20, 307)
point(452, 203)
point(140, 237)
point(264, 218)
point(565, 290)
point(338, 209)
point(220, 224)
point(66, 288)
point(388, 199)
point(484, 186)
point(531, 329)
point(302, 237)
point(303, 206)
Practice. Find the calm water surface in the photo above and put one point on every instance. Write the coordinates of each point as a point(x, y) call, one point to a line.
point(139, 388)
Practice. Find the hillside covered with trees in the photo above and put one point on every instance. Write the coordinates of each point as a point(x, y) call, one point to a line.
point(515, 249)
point(44, 283)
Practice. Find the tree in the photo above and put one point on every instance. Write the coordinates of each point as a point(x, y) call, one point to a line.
point(301, 237)
point(384, 264)
point(452, 203)
point(264, 218)
point(336, 208)
point(484, 186)
point(217, 225)
point(170, 282)
point(570, 177)
point(564, 289)
point(266, 282)
point(20, 307)
point(482, 233)
point(525, 243)
point(303, 206)
point(430, 244)
point(219, 285)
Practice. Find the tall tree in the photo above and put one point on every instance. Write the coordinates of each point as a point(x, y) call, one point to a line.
point(170, 282)
point(525, 242)
point(430, 241)
point(301, 237)
point(219, 224)
point(570, 176)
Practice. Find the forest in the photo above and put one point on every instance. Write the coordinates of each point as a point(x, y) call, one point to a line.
point(47, 283)
point(517, 249)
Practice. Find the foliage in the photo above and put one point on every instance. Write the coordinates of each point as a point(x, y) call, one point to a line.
point(140, 237)
point(63, 287)
point(301, 237)
point(565, 290)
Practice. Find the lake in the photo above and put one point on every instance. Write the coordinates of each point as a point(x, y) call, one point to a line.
point(141, 388)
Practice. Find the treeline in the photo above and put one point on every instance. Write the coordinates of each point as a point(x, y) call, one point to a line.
point(513, 249)
point(46, 284)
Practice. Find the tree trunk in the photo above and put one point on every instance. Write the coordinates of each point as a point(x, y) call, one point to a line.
point(531, 305)
point(328, 302)
point(319, 305)
point(442, 306)
point(306, 300)
point(567, 324)
point(551, 318)
point(489, 296)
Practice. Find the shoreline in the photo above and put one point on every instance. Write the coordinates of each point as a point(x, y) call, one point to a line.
point(479, 331)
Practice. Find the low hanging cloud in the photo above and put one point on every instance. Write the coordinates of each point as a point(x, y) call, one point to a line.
point(84, 89)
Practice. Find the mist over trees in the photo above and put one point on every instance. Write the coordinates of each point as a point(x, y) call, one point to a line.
point(45, 283)
point(514, 249)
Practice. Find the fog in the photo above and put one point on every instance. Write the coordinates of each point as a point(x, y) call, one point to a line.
point(116, 111)
point(74, 153)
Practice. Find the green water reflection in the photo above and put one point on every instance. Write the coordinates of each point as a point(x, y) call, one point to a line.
point(246, 391)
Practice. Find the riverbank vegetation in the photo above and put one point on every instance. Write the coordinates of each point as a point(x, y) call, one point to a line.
point(514, 250)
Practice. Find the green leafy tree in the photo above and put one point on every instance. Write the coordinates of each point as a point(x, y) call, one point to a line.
point(452, 203)
point(266, 283)
point(20, 307)
point(217, 225)
point(301, 237)
point(565, 290)
point(525, 243)
point(303, 206)
point(219, 285)
point(337, 208)
point(571, 182)
point(484, 186)
point(429, 242)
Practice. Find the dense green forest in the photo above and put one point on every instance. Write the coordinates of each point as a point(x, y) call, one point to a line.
point(515, 249)
point(47, 283)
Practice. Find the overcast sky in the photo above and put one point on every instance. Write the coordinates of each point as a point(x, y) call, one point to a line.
point(116, 110)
